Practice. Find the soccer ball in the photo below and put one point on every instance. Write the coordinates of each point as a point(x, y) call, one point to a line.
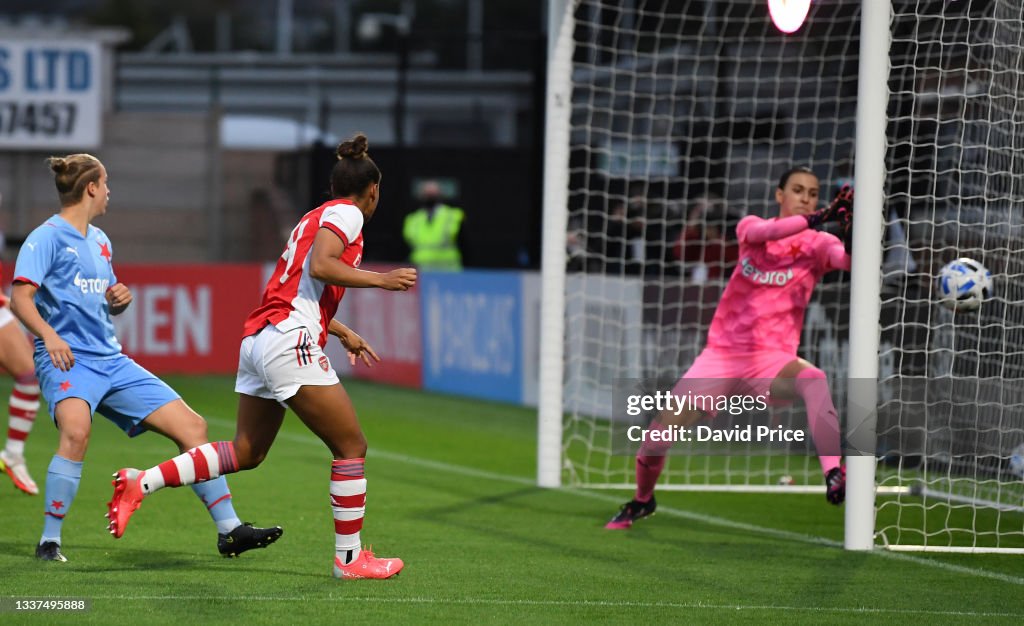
point(964, 284)
point(1017, 461)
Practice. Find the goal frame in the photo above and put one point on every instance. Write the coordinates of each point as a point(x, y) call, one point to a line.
point(866, 273)
point(873, 96)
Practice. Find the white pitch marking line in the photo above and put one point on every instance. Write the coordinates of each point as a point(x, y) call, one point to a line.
point(578, 603)
point(689, 515)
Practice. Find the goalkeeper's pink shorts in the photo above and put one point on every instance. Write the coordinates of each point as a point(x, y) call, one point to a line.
point(718, 372)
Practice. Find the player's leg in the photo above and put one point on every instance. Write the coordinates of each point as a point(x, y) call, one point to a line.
point(203, 468)
point(291, 368)
point(801, 379)
point(16, 359)
point(328, 412)
point(258, 420)
point(139, 399)
point(74, 421)
point(70, 397)
point(201, 465)
point(257, 425)
point(650, 462)
point(650, 458)
point(711, 374)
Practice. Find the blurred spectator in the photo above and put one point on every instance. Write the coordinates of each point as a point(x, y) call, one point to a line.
point(662, 224)
point(624, 235)
point(707, 246)
point(434, 231)
point(576, 244)
point(606, 245)
point(270, 216)
point(636, 224)
point(606, 240)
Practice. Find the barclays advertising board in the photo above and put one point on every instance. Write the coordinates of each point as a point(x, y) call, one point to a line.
point(472, 334)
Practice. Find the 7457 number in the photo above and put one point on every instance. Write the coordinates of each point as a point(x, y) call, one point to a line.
point(37, 118)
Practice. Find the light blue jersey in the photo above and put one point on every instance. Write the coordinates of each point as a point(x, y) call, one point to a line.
point(72, 274)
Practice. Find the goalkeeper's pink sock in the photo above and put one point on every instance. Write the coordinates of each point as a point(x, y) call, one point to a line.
point(650, 460)
point(822, 418)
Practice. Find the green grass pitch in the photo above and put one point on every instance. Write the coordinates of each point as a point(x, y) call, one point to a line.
point(451, 491)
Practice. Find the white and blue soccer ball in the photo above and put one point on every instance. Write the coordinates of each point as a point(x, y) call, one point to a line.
point(964, 284)
point(1016, 461)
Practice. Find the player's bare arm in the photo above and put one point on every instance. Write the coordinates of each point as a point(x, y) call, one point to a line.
point(118, 297)
point(24, 308)
point(325, 264)
point(357, 346)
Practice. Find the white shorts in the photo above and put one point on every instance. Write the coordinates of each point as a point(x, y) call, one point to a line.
point(6, 317)
point(274, 364)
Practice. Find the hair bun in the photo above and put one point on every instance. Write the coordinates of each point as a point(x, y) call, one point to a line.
point(354, 148)
point(59, 165)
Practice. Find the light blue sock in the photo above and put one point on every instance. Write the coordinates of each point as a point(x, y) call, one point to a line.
point(217, 498)
point(62, 480)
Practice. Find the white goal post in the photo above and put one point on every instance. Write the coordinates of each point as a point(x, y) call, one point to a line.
point(865, 277)
point(666, 120)
point(556, 193)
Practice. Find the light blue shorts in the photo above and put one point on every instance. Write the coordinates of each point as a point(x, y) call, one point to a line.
point(117, 388)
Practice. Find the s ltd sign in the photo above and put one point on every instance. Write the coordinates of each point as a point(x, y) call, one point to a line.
point(50, 94)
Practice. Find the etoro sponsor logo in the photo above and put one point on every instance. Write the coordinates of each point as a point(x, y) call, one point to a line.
point(91, 285)
point(753, 274)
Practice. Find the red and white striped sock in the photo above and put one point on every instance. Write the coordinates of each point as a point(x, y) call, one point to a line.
point(348, 501)
point(22, 406)
point(199, 464)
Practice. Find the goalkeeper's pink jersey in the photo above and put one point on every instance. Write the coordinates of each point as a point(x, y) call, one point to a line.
point(763, 305)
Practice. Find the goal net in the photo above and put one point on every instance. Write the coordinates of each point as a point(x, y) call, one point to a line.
point(952, 406)
point(682, 117)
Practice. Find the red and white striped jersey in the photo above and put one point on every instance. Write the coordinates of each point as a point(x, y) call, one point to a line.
point(292, 298)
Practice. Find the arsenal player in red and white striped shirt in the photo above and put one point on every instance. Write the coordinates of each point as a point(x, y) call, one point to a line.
point(16, 358)
point(281, 363)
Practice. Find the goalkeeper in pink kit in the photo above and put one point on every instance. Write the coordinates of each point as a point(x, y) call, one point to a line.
point(754, 336)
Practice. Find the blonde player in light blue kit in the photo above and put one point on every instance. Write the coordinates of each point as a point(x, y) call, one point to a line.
point(65, 292)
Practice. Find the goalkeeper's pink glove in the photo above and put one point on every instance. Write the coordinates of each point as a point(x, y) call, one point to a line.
point(839, 210)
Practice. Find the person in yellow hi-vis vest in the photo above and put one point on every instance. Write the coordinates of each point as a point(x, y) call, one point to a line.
point(433, 231)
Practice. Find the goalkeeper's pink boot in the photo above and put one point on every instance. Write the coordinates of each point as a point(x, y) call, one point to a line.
point(630, 512)
point(367, 566)
point(127, 498)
